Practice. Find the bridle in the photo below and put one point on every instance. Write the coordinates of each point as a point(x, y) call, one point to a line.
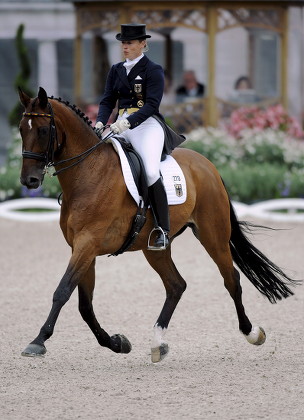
point(48, 156)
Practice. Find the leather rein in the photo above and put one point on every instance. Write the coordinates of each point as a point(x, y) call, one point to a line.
point(48, 155)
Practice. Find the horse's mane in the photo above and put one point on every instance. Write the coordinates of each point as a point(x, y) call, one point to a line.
point(77, 111)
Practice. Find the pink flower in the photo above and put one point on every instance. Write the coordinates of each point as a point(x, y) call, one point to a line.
point(274, 117)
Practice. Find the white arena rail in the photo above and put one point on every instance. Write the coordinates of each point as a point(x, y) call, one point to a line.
point(281, 210)
point(11, 209)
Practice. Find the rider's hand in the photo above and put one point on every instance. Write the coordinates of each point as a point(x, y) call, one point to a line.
point(119, 126)
point(99, 127)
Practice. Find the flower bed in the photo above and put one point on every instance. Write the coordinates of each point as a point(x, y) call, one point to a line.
point(258, 165)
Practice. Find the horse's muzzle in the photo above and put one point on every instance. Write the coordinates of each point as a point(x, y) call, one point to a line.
point(32, 177)
point(30, 182)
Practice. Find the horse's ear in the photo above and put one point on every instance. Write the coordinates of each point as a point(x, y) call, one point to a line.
point(24, 98)
point(43, 99)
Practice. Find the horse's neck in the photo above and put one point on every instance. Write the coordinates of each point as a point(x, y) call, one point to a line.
point(77, 137)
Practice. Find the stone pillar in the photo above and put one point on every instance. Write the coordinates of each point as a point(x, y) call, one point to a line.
point(47, 67)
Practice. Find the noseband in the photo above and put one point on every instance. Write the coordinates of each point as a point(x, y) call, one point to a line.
point(48, 155)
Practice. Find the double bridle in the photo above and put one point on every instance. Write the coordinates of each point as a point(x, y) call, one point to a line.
point(48, 155)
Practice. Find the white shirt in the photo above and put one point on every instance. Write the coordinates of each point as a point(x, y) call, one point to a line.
point(129, 64)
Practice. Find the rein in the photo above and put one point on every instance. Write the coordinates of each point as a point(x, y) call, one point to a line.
point(48, 155)
point(80, 157)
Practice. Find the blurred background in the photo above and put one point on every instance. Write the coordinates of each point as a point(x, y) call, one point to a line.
point(220, 59)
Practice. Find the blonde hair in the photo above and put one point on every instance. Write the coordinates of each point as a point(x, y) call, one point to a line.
point(146, 47)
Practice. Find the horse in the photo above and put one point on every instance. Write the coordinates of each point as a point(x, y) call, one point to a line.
point(97, 211)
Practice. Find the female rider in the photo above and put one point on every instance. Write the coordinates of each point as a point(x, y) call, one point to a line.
point(138, 85)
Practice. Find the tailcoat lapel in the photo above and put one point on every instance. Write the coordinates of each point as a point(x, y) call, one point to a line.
point(122, 74)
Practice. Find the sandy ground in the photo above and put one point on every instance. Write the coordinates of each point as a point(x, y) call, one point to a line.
point(211, 371)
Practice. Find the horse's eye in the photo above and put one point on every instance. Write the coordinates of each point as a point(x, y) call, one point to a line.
point(42, 132)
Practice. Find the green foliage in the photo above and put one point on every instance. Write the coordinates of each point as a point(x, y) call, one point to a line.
point(23, 76)
point(258, 166)
point(10, 186)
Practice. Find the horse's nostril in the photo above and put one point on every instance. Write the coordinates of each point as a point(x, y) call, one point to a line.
point(33, 182)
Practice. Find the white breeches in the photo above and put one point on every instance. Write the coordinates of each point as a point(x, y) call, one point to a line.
point(148, 140)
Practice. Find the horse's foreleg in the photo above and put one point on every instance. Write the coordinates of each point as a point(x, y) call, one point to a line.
point(175, 285)
point(61, 296)
point(118, 343)
point(81, 259)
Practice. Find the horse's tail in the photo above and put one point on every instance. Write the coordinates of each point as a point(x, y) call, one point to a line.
point(268, 278)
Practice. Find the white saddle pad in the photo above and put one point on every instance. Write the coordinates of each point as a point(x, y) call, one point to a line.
point(173, 177)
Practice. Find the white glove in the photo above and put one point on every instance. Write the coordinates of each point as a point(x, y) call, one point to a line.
point(119, 126)
point(99, 127)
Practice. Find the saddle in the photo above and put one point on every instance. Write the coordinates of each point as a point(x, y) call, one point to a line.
point(140, 179)
point(137, 168)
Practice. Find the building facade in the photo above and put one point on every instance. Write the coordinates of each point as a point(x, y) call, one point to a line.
point(72, 44)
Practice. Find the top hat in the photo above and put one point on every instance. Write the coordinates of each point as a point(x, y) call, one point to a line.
point(132, 31)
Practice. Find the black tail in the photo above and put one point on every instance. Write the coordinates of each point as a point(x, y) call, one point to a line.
point(269, 279)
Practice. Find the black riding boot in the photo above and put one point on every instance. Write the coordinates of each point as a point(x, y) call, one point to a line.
point(159, 203)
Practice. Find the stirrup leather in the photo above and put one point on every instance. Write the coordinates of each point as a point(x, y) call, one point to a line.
point(166, 240)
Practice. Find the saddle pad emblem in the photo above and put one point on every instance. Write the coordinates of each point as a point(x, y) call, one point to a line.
point(178, 190)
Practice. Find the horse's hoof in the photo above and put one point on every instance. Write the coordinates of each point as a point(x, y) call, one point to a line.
point(120, 344)
point(159, 353)
point(257, 336)
point(34, 350)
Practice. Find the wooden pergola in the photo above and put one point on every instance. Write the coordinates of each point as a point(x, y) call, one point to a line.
point(210, 17)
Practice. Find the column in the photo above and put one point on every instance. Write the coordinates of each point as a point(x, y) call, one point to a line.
point(47, 67)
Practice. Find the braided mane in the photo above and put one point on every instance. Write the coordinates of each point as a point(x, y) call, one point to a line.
point(77, 111)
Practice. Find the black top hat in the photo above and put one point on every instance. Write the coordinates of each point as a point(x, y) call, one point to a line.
point(132, 31)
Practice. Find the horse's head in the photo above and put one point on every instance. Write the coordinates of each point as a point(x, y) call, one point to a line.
point(38, 132)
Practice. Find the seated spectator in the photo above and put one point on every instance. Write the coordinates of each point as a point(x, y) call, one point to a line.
point(169, 95)
point(242, 83)
point(243, 92)
point(191, 87)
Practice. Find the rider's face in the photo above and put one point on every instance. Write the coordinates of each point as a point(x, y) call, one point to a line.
point(133, 49)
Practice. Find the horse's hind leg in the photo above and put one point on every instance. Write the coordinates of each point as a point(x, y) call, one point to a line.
point(217, 246)
point(118, 343)
point(175, 285)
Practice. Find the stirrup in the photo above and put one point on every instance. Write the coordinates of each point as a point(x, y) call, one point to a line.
point(166, 240)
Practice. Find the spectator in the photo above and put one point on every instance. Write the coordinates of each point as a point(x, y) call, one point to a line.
point(243, 92)
point(191, 87)
point(242, 83)
point(169, 95)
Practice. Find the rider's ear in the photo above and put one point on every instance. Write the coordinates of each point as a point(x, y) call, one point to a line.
point(24, 98)
point(43, 99)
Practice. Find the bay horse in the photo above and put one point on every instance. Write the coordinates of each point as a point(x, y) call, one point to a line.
point(97, 211)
